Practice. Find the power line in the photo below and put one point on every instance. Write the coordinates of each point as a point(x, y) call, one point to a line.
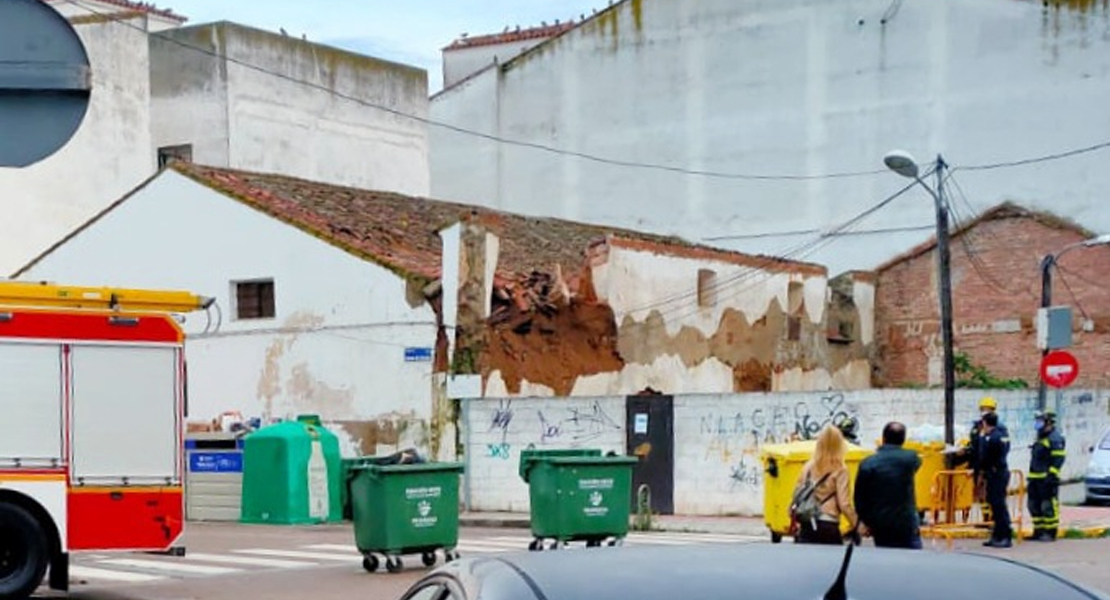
point(490, 137)
point(1038, 159)
point(803, 250)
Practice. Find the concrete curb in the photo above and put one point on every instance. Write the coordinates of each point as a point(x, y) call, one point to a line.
point(495, 522)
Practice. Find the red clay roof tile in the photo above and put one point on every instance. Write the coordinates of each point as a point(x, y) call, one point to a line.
point(402, 232)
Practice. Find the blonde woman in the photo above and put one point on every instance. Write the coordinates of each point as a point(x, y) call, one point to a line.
point(829, 472)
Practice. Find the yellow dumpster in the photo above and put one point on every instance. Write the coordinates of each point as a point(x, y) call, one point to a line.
point(932, 462)
point(782, 466)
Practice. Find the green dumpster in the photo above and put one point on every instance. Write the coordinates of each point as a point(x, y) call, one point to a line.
point(405, 509)
point(291, 474)
point(578, 497)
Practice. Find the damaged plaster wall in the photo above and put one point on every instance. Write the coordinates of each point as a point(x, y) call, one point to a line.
point(335, 347)
point(683, 320)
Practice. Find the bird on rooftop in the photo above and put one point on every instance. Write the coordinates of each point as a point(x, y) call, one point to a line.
point(283, 31)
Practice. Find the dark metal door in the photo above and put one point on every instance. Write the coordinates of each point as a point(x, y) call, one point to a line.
point(650, 433)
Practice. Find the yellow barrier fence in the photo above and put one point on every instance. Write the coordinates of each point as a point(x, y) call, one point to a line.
point(954, 517)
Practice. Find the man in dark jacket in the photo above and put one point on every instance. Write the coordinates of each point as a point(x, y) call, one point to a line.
point(995, 471)
point(884, 497)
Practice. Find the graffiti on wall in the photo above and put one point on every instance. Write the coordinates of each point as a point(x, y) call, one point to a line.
point(575, 425)
point(736, 439)
point(499, 424)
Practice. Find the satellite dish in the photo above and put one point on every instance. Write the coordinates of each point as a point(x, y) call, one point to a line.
point(45, 82)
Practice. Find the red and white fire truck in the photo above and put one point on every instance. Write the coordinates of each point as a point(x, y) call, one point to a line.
point(92, 404)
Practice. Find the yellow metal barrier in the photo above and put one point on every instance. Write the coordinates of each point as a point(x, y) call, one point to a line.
point(953, 520)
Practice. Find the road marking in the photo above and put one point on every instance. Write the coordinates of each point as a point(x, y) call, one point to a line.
point(168, 566)
point(248, 560)
point(340, 548)
point(299, 554)
point(107, 575)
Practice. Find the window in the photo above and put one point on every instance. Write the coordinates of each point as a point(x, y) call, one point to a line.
point(707, 288)
point(254, 299)
point(183, 152)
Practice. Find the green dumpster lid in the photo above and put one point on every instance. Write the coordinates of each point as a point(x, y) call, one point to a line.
point(593, 460)
point(437, 467)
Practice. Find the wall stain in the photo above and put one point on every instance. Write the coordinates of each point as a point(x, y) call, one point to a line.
point(394, 429)
point(311, 395)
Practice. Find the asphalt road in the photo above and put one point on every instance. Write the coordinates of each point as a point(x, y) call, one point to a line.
point(241, 562)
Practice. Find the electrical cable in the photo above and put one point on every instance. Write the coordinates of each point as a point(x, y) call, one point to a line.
point(487, 136)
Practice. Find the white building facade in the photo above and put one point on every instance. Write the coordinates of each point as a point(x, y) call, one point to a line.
point(222, 94)
point(805, 88)
point(325, 332)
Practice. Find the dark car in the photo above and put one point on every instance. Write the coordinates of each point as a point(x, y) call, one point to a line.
point(743, 571)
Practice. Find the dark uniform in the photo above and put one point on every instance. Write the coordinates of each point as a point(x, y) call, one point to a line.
point(1045, 463)
point(971, 456)
point(994, 470)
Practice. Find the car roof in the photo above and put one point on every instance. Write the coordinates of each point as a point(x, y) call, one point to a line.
point(751, 571)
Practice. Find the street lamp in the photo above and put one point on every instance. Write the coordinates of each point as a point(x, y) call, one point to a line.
point(1047, 263)
point(903, 163)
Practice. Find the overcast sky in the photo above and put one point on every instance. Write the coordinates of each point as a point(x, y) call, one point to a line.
point(407, 31)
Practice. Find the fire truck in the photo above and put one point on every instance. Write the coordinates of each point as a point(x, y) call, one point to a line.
point(92, 405)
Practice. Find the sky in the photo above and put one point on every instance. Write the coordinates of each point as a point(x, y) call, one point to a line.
point(406, 31)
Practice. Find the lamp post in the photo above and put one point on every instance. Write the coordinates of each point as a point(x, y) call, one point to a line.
point(904, 164)
point(1047, 263)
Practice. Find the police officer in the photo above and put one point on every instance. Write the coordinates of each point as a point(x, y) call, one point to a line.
point(1046, 460)
point(994, 446)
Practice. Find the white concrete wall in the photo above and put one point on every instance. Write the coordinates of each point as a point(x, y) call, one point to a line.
point(718, 438)
point(336, 345)
point(109, 155)
point(251, 119)
point(788, 87)
point(460, 63)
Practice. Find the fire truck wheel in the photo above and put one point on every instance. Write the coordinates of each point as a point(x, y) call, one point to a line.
point(23, 553)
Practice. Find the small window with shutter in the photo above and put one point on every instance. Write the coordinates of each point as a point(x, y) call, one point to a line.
point(254, 299)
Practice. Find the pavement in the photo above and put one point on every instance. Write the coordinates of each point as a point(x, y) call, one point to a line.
point(1076, 521)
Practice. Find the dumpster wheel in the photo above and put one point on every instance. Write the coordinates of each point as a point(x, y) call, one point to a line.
point(535, 545)
point(450, 555)
point(428, 558)
point(776, 537)
point(616, 542)
point(370, 563)
point(393, 564)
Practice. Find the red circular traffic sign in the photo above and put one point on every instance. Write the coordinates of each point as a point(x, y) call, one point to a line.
point(1059, 369)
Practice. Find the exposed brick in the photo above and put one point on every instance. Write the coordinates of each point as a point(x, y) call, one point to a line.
point(1002, 284)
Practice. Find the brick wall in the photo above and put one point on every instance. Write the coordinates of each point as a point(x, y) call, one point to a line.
point(719, 438)
point(996, 287)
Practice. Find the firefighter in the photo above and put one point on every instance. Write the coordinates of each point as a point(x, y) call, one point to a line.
point(994, 447)
point(1046, 460)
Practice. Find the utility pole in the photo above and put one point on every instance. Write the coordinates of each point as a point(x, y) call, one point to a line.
point(945, 273)
point(1046, 301)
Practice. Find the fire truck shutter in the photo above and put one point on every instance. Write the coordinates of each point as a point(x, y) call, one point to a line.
point(31, 397)
point(125, 394)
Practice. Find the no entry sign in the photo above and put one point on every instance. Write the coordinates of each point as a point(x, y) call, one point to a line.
point(1059, 369)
